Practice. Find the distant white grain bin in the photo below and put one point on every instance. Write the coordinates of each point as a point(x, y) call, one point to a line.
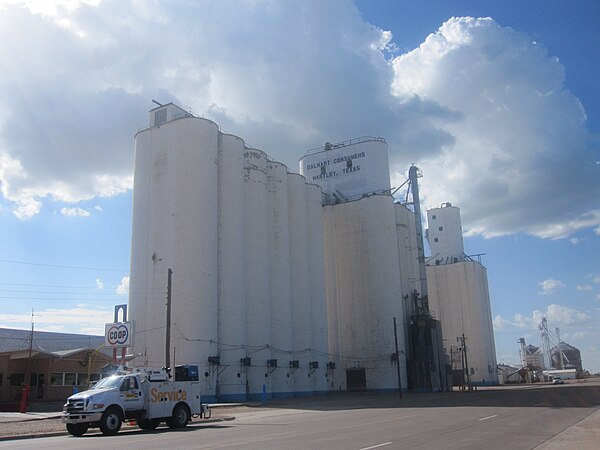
point(235, 229)
point(459, 296)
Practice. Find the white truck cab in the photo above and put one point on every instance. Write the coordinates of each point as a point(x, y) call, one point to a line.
point(145, 395)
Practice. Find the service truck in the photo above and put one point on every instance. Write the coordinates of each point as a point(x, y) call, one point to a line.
point(143, 396)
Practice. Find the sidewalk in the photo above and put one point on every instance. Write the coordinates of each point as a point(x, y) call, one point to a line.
point(583, 435)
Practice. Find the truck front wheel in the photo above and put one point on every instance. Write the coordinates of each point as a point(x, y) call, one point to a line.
point(180, 418)
point(111, 421)
point(77, 429)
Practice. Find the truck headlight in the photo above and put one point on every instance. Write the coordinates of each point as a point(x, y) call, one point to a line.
point(98, 406)
point(65, 407)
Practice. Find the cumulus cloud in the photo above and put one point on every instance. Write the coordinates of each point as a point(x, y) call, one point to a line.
point(550, 285)
point(123, 287)
point(520, 136)
point(76, 320)
point(482, 109)
point(74, 212)
point(99, 284)
point(584, 287)
point(556, 315)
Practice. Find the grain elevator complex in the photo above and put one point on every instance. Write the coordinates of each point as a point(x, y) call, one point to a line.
point(292, 284)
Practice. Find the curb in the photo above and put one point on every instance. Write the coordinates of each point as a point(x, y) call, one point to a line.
point(63, 433)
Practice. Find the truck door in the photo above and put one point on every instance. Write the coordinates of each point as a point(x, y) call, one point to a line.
point(131, 394)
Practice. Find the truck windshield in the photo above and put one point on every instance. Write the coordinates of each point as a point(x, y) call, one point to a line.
point(109, 383)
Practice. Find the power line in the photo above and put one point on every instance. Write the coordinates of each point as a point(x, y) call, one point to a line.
point(9, 261)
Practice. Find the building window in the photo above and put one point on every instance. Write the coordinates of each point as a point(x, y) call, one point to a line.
point(433, 217)
point(17, 379)
point(33, 378)
point(1, 378)
point(56, 379)
point(160, 117)
point(70, 379)
point(440, 228)
point(435, 239)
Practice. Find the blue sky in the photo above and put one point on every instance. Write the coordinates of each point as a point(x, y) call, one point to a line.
point(499, 107)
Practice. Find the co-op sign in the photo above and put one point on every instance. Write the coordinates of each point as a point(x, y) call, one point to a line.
point(118, 335)
point(350, 168)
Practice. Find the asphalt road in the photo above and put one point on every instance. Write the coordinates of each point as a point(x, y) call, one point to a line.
point(515, 418)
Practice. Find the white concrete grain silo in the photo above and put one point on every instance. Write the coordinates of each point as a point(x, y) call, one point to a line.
point(175, 194)
point(258, 319)
point(279, 281)
point(362, 263)
point(459, 298)
point(240, 234)
point(299, 358)
point(232, 266)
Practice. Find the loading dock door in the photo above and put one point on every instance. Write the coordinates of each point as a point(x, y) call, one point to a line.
point(356, 380)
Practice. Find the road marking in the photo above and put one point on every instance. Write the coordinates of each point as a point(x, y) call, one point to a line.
point(375, 446)
point(488, 417)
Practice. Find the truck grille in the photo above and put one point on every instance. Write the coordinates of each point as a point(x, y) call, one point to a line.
point(75, 406)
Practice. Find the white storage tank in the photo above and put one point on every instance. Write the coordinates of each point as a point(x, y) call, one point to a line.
point(258, 318)
point(347, 170)
point(279, 281)
point(232, 295)
point(176, 161)
point(444, 234)
point(459, 297)
point(365, 260)
point(299, 359)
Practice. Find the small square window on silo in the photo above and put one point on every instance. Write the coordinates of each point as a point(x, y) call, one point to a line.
point(441, 228)
point(433, 217)
point(435, 239)
point(160, 117)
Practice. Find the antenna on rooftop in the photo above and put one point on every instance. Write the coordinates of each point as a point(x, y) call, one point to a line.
point(159, 104)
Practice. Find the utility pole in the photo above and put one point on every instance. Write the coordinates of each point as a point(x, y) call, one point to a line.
point(397, 359)
point(463, 346)
point(168, 337)
point(560, 352)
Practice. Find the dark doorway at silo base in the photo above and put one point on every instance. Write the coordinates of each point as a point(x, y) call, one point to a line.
point(356, 380)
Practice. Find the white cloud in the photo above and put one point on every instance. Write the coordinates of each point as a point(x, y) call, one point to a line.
point(556, 315)
point(574, 241)
point(584, 287)
point(550, 285)
point(74, 212)
point(481, 109)
point(99, 284)
point(123, 287)
point(74, 319)
point(519, 135)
